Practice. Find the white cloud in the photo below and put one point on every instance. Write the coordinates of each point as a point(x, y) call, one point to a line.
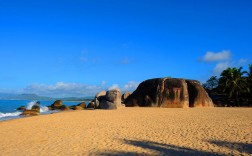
point(223, 60)
point(130, 86)
point(114, 86)
point(62, 89)
point(217, 56)
point(220, 67)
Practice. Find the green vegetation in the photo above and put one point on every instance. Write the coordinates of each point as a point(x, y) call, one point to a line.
point(211, 83)
point(232, 88)
point(249, 78)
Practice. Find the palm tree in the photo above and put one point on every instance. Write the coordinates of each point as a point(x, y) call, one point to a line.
point(233, 83)
point(249, 73)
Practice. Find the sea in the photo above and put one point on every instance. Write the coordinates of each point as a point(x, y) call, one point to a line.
point(8, 108)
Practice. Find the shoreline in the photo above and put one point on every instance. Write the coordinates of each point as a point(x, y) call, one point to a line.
point(89, 109)
point(9, 108)
point(131, 130)
point(92, 109)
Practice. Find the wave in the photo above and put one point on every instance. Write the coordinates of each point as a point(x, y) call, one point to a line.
point(2, 115)
point(30, 104)
point(43, 109)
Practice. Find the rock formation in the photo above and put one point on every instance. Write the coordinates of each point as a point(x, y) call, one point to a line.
point(78, 108)
point(82, 104)
point(104, 104)
point(56, 105)
point(65, 108)
point(30, 112)
point(108, 100)
point(114, 96)
point(36, 107)
point(125, 96)
point(99, 97)
point(198, 97)
point(22, 108)
point(35, 110)
point(169, 93)
point(91, 105)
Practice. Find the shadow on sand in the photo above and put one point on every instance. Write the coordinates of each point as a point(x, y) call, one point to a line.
point(171, 150)
point(241, 147)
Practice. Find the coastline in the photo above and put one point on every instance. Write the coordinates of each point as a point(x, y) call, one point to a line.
point(148, 131)
point(9, 108)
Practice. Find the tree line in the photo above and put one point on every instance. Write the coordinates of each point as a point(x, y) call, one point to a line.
point(232, 88)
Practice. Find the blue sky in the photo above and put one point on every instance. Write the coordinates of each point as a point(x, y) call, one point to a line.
point(76, 48)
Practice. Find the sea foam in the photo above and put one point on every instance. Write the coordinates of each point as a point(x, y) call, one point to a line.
point(43, 109)
point(2, 115)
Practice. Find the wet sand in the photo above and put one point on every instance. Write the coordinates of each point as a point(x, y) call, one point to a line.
point(131, 131)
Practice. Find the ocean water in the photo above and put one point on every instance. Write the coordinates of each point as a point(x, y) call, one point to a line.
point(8, 107)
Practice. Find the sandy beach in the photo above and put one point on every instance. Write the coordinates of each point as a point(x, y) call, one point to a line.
point(131, 131)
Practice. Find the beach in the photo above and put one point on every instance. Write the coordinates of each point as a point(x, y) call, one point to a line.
point(131, 131)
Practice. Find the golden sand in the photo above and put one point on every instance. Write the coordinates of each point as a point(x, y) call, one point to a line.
point(131, 131)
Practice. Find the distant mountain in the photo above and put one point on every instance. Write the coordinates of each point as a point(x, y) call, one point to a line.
point(5, 96)
point(27, 97)
point(77, 98)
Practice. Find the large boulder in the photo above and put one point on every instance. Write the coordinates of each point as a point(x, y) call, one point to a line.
point(99, 97)
point(125, 96)
point(198, 97)
point(108, 100)
point(57, 104)
point(104, 104)
point(30, 112)
point(169, 93)
point(36, 106)
point(114, 96)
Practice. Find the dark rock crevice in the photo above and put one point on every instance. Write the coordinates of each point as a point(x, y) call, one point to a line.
point(198, 97)
point(192, 91)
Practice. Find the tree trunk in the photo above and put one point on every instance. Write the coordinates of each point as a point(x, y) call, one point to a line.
point(237, 102)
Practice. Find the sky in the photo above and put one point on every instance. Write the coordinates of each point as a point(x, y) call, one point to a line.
point(80, 47)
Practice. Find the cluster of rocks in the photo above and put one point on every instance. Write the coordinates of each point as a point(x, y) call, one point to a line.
point(35, 110)
point(111, 99)
point(159, 92)
point(57, 105)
